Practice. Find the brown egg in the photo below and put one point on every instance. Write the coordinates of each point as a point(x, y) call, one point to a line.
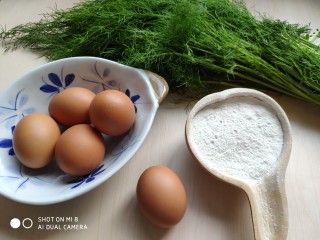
point(71, 106)
point(161, 196)
point(112, 112)
point(79, 150)
point(34, 139)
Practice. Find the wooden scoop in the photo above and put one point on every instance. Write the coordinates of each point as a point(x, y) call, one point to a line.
point(267, 196)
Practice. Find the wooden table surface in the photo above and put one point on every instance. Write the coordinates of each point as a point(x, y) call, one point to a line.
point(215, 209)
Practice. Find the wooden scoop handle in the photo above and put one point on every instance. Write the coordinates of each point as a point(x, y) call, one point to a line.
point(269, 209)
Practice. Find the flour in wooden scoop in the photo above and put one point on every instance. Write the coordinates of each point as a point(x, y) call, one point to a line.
point(240, 137)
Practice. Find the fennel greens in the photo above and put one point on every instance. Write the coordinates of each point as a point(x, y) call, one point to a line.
point(197, 45)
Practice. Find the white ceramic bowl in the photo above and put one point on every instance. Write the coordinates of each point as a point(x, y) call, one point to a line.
point(32, 93)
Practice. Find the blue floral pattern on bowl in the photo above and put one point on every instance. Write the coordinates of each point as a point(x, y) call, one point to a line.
point(7, 143)
point(33, 92)
point(22, 178)
point(86, 178)
point(57, 83)
point(15, 109)
point(101, 79)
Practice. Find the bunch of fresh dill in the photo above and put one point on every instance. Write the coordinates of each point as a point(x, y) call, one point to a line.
point(196, 45)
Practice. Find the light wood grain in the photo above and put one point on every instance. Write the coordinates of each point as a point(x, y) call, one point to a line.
point(215, 209)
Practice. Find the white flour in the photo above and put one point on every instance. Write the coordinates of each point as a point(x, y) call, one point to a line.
point(239, 137)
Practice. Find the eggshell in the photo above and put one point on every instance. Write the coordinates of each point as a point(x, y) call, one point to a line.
point(161, 196)
point(34, 139)
point(80, 150)
point(71, 106)
point(112, 112)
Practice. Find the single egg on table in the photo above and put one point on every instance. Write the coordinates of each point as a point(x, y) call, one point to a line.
point(34, 139)
point(161, 196)
point(79, 150)
point(71, 106)
point(112, 112)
